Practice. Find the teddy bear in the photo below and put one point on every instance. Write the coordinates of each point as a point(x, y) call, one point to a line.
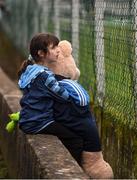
point(65, 64)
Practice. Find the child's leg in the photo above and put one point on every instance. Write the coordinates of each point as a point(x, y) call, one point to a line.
point(71, 141)
point(91, 137)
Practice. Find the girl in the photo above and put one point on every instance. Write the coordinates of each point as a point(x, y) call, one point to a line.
point(40, 91)
point(53, 107)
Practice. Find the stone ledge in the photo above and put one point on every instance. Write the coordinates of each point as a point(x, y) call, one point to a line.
point(32, 156)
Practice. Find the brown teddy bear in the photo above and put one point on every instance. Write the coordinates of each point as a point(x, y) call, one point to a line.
point(65, 64)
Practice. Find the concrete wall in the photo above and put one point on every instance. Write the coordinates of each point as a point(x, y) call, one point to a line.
point(31, 156)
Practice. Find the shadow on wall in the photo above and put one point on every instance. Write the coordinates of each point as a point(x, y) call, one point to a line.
point(3, 168)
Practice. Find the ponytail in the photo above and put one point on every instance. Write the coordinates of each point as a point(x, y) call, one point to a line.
point(24, 65)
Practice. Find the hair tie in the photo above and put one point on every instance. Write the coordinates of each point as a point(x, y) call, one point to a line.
point(30, 58)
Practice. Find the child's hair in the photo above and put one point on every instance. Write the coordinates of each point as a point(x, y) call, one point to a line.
point(40, 41)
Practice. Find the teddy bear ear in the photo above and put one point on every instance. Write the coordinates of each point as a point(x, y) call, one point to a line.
point(65, 43)
point(65, 47)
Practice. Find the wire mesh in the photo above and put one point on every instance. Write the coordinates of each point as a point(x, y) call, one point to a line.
point(119, 61)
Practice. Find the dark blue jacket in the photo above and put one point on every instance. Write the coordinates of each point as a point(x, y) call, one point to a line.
point(40, 89)
point(45, 101)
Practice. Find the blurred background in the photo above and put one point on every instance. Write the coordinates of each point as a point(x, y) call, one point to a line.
point(103, 34)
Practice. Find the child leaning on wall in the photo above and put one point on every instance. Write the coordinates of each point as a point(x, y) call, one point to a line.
point(52, 107)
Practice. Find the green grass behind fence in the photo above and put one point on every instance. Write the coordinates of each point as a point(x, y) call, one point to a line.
point(119, 102)
point(119, 63)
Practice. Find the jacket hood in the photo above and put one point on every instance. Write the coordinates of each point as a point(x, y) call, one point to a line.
point(31, 72)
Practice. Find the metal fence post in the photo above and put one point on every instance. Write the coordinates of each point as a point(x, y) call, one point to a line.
point(75, 28)
point(56, 17)
point(24, 29)
point(35, 17)
point(44, 15)
point(99, 42)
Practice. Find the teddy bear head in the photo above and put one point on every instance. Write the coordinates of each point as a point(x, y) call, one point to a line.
point(65, 64)
point(65, 47)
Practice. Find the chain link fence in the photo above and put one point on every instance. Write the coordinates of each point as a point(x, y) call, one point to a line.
point(120, 61)
point(103, 34)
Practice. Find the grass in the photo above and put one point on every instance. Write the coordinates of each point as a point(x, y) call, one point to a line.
point(87, 58)
point(119, 61)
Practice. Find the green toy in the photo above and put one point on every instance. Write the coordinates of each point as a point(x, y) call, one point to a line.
point(14, 117)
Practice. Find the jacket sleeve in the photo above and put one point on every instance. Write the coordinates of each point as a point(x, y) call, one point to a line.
point(78, 94)
point(54, 87)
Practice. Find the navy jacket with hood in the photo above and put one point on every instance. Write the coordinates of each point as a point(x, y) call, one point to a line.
point(46, 100)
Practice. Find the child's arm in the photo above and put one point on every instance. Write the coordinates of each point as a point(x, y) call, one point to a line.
point(76, 92)
point(57, 90)
point(66, 90)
